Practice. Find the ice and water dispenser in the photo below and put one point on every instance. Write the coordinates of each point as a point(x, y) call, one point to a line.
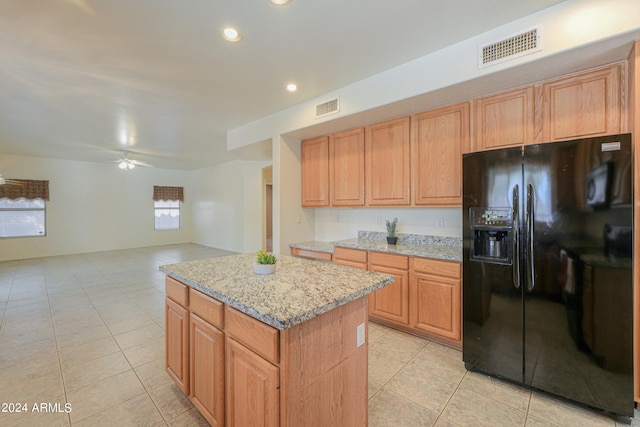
point(492, 234)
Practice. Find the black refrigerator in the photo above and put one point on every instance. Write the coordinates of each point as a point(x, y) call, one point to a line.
point(547, 268)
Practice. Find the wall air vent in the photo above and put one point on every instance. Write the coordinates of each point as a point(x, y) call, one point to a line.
point(510, 48)
point(328, 107)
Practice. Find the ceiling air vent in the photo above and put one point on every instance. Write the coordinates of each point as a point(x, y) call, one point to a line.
point(328, 107)
point(510, 48)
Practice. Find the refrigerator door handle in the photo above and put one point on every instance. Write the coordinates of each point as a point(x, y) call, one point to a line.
point(515, 256)
point(529, 246)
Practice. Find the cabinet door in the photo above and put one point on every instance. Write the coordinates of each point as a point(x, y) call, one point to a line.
point(504, 120)
point(355, 258)
point(207, 370)
point(315, 172)
point(387, 166)
point(346, 177)
point(253, 397)
point(438, 139)
point(583, 105)
point(177, 344)
point(436, 305)
point(392, 301)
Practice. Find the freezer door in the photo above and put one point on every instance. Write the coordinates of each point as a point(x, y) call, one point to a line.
point(578, 284)
point(492, 293)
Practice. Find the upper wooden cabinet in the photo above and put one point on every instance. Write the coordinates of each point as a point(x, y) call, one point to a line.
point(387, 163)
point(438, 139)
point(315, 172)
point(346, 168)
point(583, 105)
point(504, 120)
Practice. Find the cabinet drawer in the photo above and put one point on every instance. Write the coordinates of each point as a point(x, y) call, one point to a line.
point(177, 291)
point(260, 337)
point(305, 253)
point(355, 255)
point(438, 268)
point(207, 308)
point(389, 260)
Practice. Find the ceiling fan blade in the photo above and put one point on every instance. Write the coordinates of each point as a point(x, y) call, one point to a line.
point(139, 163)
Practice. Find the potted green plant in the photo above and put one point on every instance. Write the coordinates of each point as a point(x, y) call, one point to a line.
point(392, 239)
point(265, 263)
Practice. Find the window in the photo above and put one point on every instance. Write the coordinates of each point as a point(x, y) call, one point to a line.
point(22, 217)
point(22, 207)
point(167, 214)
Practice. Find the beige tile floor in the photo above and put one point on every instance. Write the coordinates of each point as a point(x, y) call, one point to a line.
point(86, 331)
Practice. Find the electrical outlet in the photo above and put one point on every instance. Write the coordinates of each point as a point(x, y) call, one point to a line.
point(299, 218)
point(440, 222)
point(378, 220)
point(360, 335)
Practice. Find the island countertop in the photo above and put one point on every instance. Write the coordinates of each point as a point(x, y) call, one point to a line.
point(298, 290)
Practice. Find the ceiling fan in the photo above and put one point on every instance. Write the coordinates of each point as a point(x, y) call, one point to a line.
point(8, 181)
point(125, 163)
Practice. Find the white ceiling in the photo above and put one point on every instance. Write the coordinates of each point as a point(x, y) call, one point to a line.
point(86, 79)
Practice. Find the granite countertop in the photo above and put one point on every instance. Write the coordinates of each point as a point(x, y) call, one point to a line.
point(299, 289)
point(446, 248)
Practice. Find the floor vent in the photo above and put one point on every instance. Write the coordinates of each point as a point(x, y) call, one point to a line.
point(328, 107)
point(510, 48)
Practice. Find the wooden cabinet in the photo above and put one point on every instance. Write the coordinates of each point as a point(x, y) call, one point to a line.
point(425, 299)
point(315, 172)
point(435, 298)
point(438, 139)
point(314, 255)
point(583, 105)
point(504, 120)
point(387, 163)
point(239, 371)
point(177, 344)
point(355, 258)
point(346, 168)
point(207, 370)
point(252, 388)
point(392, 301)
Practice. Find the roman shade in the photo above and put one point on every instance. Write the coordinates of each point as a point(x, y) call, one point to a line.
point(168, 193)
point(28, 189)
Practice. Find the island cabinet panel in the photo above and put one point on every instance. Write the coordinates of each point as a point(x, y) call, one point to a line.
point(583, 105)
point(438, 139)
point(260, 337)
point(387, 163)
point(178, 292)
point(315, 172)
point(346, 168)
point(325, 383)
point(436, 298)
point(207, 370)
point(391, 302)
point(504, 120)
point(177, 344)
point(209, 309)
point(252, 392)
point(355, 258)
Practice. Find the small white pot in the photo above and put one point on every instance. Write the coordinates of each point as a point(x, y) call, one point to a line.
point(264, 268)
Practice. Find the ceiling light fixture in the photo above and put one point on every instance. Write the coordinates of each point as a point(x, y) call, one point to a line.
point(292, 87)
point(126, 165)
point(280, 2)
point(231, 34)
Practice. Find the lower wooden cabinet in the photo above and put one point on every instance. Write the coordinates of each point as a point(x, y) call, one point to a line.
point(207, 370)
point(253, 398)
point(435, 298)
point(392, 301)
point(425, 298)
point(177, 343)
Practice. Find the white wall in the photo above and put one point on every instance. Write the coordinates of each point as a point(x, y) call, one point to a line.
point(95, 207)
point(227, 205)
point(344, 223)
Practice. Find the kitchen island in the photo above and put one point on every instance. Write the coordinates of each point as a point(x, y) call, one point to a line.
point(286, 349)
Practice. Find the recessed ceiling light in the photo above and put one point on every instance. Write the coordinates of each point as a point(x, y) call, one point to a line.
point(231, 34)
point(280, 2)
point(292, 87)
